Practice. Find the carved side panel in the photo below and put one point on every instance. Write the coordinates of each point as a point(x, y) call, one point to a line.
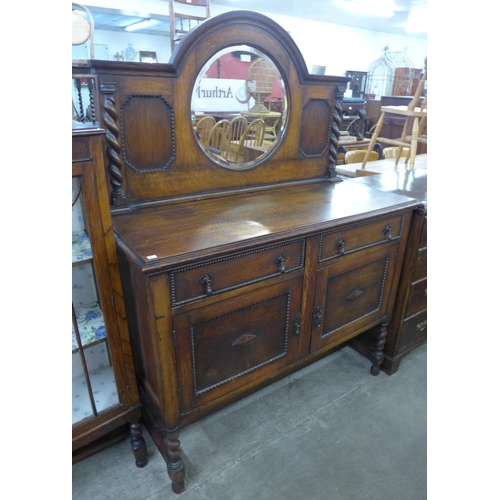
point(147, 133)
point(315, 127)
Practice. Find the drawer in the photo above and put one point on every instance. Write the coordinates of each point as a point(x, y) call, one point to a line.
point(414, 331)
point(353, 238)
point(228, 273)
point(417, 300)
point(421, 265)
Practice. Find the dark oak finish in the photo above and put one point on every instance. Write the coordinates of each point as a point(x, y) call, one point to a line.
point(234, 279)
point(408, 327)
point(90, 434)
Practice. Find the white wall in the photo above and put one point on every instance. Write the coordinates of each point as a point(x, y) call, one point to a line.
point(339, 48)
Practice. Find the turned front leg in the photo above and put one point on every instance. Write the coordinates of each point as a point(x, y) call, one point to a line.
point(138, 444)
point(378, 353)
point(175, 466)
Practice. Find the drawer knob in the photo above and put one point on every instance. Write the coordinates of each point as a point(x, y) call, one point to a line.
point(296, 326)
point(341, 246)
point(280, 260)
point(421, 326)
point(387, 232)
point(206, 281)
point(318, 317)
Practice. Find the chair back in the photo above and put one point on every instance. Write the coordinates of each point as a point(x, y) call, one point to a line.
point(219, 138)
point(83, 27)
point(239, 126)
point(204, 127)
point(186, 17)
point(255, 133)
point(358, 155)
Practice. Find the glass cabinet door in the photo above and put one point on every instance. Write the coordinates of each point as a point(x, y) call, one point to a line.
point(94, 386)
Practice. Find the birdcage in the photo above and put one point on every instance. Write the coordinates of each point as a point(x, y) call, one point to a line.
point(384, 77)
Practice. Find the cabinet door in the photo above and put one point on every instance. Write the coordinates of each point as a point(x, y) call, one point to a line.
point(237, 342)
point(352, 294)
point(94, 385)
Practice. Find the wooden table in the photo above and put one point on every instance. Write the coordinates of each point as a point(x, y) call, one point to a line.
point(381, 166)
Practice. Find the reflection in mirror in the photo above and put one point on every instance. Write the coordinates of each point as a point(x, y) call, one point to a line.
point(238, 107)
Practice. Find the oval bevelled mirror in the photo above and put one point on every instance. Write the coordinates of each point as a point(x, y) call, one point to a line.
point(238, 107)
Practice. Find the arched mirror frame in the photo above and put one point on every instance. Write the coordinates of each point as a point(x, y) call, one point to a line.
point(153, 156)
point(283, 120)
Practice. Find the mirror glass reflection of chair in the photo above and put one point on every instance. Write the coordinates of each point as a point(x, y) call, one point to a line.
point(251, 139)
point(219, 139)
point(204, 127)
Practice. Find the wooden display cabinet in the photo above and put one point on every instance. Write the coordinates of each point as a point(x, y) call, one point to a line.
point(105, 397)
point(236, 275)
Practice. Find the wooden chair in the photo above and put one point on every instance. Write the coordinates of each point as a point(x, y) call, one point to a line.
point(255, 133)
point(416, 117)
point(193, 13)
point(83, 27)
point(253, 137)
point(359, 155)
point(204, 127)
point(220, 138)
point(239, 125)
point(394, 151)
point(271, 123)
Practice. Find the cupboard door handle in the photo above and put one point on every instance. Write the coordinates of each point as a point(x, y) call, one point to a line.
point(296, 326)
point(280, 260)
point(206, 281)
point(421, 326)
point(387, 232)
point(318, 317)
point(341, 246)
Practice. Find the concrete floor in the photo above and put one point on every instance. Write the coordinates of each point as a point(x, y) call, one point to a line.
point(328, 432)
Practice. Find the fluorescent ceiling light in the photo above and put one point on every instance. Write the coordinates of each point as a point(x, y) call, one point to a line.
point(378, 8)
point(146, 23)
point(417, 20)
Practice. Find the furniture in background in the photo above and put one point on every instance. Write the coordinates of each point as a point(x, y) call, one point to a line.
point(351, 143)
point(353, 108)
point(184, 18)
point(393, 151)
point(408, 327)
point(105, 400)
point(236, 275)
point(415, 121)
point(82, 27)
point(357, 156)
point(357, 83)
point(393, 124)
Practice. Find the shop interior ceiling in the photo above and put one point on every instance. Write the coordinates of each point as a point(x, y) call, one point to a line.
point(330, 11)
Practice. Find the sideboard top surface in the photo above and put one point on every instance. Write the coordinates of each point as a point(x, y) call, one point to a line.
point(411, 183)
point(157, 236)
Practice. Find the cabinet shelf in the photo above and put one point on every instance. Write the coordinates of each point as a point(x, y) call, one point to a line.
point(90, 324)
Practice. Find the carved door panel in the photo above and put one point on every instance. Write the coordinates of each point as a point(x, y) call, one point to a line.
point(237, 342)
point(351, 294)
